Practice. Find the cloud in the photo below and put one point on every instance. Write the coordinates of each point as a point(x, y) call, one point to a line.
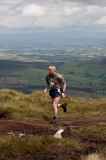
point(89, 2)
point(52, 13)
point(102, 20)
point(33, 10)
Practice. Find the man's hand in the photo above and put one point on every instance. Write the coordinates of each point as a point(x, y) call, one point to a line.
point(63, 95)
point(45, 90)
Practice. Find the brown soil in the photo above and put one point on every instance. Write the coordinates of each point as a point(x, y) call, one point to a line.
point(38, 127)
point(43, 127)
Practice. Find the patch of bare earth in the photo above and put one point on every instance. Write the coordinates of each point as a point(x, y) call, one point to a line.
point(40, 128)
point(45, 128)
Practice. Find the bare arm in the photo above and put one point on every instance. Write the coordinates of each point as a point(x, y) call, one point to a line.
point(62, 83)
point(47, 84)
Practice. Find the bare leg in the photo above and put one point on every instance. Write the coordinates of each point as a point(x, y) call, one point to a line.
point(56, 105)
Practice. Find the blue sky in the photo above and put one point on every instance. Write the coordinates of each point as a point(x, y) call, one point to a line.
point(52, 13)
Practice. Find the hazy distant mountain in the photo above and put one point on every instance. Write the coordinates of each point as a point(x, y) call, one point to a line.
point(52, 38)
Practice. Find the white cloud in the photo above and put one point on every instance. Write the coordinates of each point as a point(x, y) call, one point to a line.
point(102, 21)
point(68, 10)
point(51, 13)
point(33, 10)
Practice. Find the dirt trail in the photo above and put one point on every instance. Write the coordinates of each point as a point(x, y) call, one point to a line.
point(44, 128)
point(35, 127)
point(84, 122)
point(38, 127)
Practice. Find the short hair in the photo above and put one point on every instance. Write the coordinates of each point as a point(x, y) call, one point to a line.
point(53, 68)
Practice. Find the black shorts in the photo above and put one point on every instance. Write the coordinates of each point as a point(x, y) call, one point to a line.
point(54, 92)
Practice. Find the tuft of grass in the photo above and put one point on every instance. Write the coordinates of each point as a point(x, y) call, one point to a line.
point(39, 147)
point(38, 105)
point(12, 147)
point(22, 106)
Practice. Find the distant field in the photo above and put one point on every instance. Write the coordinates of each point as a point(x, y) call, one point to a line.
point(84, 70)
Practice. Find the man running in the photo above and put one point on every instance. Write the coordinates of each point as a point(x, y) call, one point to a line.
point(56, 85)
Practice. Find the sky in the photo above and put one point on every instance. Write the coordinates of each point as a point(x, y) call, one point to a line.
point(52, 13)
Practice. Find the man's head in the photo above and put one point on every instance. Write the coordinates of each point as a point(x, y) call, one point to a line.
point(51, 70)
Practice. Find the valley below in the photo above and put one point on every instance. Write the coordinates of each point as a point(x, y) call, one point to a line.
point(84, 69)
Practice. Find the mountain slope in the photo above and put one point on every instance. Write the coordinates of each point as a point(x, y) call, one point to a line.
point(26, 131)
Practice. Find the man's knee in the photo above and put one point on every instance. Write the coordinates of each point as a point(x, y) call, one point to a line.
point(55, 103)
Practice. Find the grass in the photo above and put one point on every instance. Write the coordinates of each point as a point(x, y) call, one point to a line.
point(38, 105)
point(34, 147)
point(39, 147)
point(20, 106)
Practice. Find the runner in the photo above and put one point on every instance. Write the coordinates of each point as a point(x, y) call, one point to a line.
point(56, 85)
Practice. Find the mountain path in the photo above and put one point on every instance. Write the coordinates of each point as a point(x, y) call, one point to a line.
point(40, 127)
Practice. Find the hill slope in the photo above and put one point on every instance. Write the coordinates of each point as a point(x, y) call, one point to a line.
point(26, 131)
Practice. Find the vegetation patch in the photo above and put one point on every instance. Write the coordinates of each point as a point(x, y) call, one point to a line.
point(26, 131)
